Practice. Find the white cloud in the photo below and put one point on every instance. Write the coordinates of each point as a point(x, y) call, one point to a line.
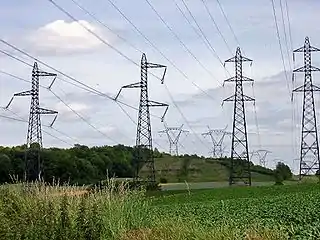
point(108, 129)
point(61, 37)
point(65, 112)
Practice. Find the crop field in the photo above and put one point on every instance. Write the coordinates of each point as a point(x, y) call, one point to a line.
point(278, 212)
point(260, 213)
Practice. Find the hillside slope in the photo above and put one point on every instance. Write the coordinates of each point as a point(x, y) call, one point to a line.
point(196, 169)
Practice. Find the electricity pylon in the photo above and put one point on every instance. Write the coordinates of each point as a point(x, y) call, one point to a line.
point(240, 162)
point(309, 153)
point(262, 156)
point(33, 162)
point(173, 134)
point(144, 150)
point(217, 137)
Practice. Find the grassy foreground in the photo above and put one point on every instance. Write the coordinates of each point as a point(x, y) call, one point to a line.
point(261, 213)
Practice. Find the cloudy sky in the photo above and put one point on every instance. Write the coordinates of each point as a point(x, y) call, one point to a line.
point(103, 50)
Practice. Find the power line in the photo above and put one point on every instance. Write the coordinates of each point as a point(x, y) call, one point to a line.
point(184, 117)
point(92, 32)
point(67, 105)
point(91, 91)
point(158, 50)
point(228, 22)
point(282, 56)
point(283, 61)
point(105, 25)
point(16, 58)
point(25, 121)
point(179, 39)
point(97, 36)
point(63, 10)
point(294, 104)
point(285, 35)
point(169, 93)
point(83, 85)
point(45, 125)
point(289, 24)
point(216, 25)
point(280, 45)
point(105, 42)
point(255, 113)
point(203, 34)
point(82, 118)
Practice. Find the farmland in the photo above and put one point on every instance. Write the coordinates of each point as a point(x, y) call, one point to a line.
point(292, 210)
point(54, 212)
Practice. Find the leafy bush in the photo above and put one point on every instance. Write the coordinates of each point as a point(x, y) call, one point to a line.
point(282, 172)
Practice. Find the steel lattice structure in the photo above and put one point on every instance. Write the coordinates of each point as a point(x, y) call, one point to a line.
point(144, 149)
point(33, 163)
point(240, 162)
point(309, 154)
point(174, 137)
point(217, 137)
point(262, 156)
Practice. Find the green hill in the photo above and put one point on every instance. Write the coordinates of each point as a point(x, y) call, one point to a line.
point(197, 169)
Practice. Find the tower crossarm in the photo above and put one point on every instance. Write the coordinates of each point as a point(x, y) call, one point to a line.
point(176, 140)
point(159, 104)
point(20, 94)
point(236, 59)
point(307, 46)
point(311, 87)
point(133, 85)
point(306, 68)
point(233, 79)
point(44, 111)
point(45, 74)
point(236, 98)
point(153, 65)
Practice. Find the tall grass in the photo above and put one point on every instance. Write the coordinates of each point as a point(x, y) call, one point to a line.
point(41, 212)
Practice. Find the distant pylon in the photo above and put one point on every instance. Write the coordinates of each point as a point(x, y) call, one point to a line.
point(33, 162)
point(217, 137)
point(240, 162)
point(144, 150)
point(262, 156)
point(309, 154)
point(173, 134)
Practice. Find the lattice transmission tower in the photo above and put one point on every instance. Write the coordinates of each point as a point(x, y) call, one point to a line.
point(217, 137)
point(173, 134)
point(240, 162)
point(262, 156)
point(33, 162)
point(309, 152)
point(144, 149)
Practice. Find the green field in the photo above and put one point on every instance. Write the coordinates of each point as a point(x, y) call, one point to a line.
point(266, 212)
point(291, 211)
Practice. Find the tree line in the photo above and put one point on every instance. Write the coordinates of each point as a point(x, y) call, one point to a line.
point(77, 165)
point(89, 165)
